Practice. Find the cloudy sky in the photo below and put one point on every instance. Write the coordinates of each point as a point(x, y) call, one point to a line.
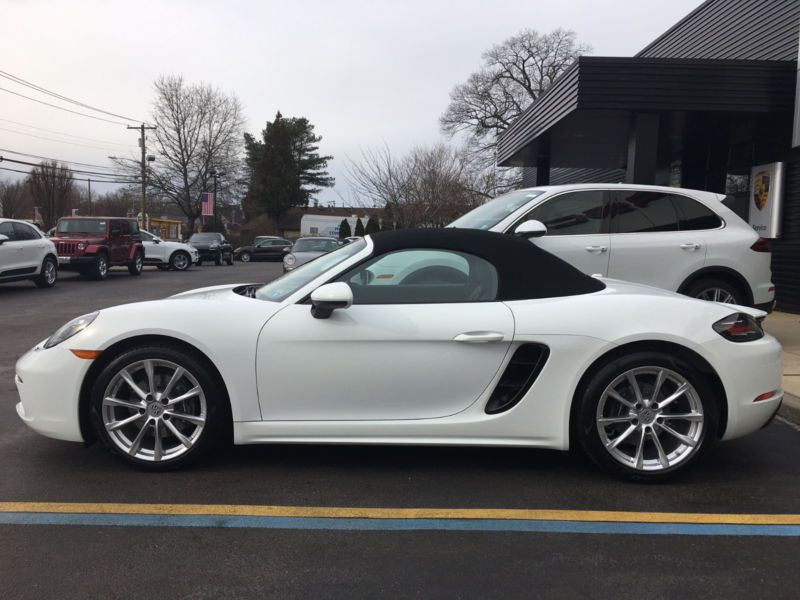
point(364, 72)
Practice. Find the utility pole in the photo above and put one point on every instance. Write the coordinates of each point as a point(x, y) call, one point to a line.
point(90, 195)
point(142, 128)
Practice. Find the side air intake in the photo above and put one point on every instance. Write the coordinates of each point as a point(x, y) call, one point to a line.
point(522, 370)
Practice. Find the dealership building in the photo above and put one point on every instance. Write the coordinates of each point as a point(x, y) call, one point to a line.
point(712, 104)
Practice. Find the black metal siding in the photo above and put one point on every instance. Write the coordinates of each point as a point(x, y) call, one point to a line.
point(786, 250)
point(733, 29)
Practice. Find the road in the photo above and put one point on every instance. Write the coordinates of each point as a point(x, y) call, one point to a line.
point(213, 557)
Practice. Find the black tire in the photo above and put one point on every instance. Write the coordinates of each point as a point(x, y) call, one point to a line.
point(136, 265)
point(708, 289)
point(199, 262)
point(99, 268)
point(48, 275)
point(180, 261)
point(590, 438)
point(229, 260)
point(245, 257)
point(218, 259)
point(213, 394)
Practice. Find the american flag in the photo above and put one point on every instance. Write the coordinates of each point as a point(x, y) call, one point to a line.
point(208, 204)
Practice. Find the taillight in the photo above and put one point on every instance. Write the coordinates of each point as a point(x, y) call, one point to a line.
point(739, 327)
point(761, 245)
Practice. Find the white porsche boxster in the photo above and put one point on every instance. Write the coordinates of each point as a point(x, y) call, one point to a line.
point(412, 337)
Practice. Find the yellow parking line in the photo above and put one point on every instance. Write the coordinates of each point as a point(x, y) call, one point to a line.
point(337, 512)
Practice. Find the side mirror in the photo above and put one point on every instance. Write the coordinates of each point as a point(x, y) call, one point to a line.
point(327, 298)
point(531, 229)
point(287, 249)
point(3, 239)
point(157, 240)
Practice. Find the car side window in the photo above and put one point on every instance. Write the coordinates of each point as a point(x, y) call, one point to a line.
point(7, 229)
point(423, 277)
point(573, 213)
point(636, 211)
point(694, 216)
point(25, 232)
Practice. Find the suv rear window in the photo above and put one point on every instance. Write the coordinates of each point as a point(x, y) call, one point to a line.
point(694, 216)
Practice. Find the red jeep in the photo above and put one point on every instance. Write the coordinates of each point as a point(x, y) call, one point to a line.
point(91, 245)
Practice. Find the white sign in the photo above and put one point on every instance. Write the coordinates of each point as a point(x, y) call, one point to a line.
point(766, 199)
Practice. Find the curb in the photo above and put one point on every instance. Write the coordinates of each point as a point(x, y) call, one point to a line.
point(790, 408)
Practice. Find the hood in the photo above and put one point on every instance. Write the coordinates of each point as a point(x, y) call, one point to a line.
point(217, 292)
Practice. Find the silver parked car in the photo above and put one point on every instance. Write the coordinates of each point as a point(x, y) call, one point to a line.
point(308, 248)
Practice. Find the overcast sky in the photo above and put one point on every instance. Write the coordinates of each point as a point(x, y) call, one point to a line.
point(363, 72)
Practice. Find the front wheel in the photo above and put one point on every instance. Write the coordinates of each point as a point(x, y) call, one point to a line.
point(647, 416)
point(180, 261)
point(135, 267)
point(245, 257)
point(48, 275)
point(157, 408)
point(229, 260)
point(99, 268)
point(218, 259)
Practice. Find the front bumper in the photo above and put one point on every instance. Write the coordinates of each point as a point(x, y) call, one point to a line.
point(206, 254)
point(48, 383)
point(75, 261)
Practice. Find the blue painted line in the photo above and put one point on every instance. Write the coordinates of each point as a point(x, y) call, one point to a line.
point(336, 524)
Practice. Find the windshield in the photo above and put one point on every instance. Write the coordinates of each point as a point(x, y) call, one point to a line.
point(285, 286)
point(205, 237)
point(490, 214)
point(81, 226)
point(315, 245)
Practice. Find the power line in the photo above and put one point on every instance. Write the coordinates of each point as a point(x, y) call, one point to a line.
point(39, 88)
point(81, 171)
point(41, 137)
point(75, 112)
point(78, 137)
point(72, 162)
point(74, 178)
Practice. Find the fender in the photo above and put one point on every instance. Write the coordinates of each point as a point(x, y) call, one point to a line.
point(95, 249)
point(134, 248)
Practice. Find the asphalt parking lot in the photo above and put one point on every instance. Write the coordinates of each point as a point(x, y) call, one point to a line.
point(340, 554)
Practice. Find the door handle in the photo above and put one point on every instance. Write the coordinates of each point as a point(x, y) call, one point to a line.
point(479, 337)
point(690, 246)
point(597, 249)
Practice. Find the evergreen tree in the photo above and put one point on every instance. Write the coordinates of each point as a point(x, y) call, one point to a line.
point(372, 226)
point(285, 166)
point(344, 229)
point(359, 228)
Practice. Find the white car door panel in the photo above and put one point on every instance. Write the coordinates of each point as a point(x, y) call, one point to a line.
point(373, 362)
point(589, 253)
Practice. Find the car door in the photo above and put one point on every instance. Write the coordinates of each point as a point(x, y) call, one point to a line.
point(31, 247)
point(423, 339)
point(10, 255)
point(262, 250)
point(116, 245)
point(577, 229)
point(647, 244)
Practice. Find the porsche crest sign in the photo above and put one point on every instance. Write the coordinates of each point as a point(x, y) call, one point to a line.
point(766, 199)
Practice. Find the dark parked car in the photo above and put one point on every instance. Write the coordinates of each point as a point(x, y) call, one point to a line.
point(264, 249)
point(212, 246)
point(91, 245)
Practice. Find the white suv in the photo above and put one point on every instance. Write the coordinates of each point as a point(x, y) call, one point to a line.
point(167, 255)
point(682, 240)
point(25, 253)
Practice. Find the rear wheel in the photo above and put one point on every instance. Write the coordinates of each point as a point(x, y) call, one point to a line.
point(157, 408)
point(715, 290)
point(180, 261)
point(48, 275)
point(647, 416)
point(135, 267)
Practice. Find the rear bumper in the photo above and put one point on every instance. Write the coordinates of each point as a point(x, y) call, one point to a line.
point(767, 307)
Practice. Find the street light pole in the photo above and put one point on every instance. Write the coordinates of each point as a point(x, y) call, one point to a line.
point(142, 128)
point(214, 173)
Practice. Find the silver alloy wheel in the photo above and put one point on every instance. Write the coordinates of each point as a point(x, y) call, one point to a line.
point(180, 261)
point(138, 262)
point(154, 410)
point(50, 272)
point(244, 257)
point(650, 418)
point(102, 265)
point(715, 294)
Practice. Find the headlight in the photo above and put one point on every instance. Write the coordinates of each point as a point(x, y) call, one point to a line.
point(289, 260)
point(73, 327)
point(81, 246)
point(739, 327)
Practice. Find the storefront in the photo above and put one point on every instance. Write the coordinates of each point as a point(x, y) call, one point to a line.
point(700, 107)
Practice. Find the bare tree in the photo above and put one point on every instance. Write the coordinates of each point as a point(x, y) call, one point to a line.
point(15, 200)
point(428, 187)
point(51, 189)
point(198, 130)
point(513, 75)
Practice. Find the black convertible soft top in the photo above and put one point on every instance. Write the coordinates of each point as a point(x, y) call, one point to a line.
point(524, 270)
